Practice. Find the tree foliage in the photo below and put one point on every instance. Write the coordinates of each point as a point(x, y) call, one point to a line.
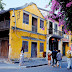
point(2, 5)
point(64, 15)
point(67, 8)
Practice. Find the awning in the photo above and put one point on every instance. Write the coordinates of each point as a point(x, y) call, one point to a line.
point(65, 40)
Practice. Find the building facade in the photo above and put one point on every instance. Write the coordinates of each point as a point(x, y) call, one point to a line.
point(26, 29)
point(4, 33)
point(67, 43)
point(26, 26)
point(56, 37)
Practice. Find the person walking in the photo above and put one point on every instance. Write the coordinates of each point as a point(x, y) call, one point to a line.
point(49, 58)
point(69, 59)
point(21, 57)
point(54, 53)
point(59, 58)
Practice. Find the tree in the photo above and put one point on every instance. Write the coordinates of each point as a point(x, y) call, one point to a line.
point(64, 15)
point(1, 5)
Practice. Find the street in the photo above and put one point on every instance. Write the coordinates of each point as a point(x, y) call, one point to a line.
point(44, 68)
point(37, 69)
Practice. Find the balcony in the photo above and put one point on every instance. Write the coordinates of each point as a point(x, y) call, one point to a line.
point(55, 32)
point(4, 25)
point(34, 28)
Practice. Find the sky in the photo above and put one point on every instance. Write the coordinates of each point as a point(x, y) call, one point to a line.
point(18, 3)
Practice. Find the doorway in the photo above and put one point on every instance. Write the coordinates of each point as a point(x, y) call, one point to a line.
point(34, 49)
point(53, 44)
point(63, 49)
point(4, 49)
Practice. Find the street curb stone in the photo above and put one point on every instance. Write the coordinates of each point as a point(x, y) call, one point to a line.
point(12, 67)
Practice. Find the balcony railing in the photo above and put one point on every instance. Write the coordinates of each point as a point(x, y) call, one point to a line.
point(34, 29)
point(4, 24)
point(55, 32)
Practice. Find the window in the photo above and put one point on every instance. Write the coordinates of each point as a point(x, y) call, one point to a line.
point(50, 27)
point(34, 24)
point(41, 47)
point(63, 29)
point(41, 24)
point(25, 45)
point(25, 18)
point(55, 27)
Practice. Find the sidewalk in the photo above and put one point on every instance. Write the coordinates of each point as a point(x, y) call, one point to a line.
point(33, 62)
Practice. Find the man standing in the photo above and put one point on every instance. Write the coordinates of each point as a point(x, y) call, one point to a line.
point(54, 53)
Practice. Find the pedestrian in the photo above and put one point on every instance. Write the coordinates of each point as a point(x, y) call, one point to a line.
point(21, 57)
point(49, 58)
point(69, 59)
point(54, 53)
point(59, 58)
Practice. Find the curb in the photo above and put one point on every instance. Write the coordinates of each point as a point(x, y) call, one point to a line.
point(12, 67)
point(20, 67)
point(36, 65)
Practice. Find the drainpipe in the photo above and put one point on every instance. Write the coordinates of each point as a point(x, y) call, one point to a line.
point(15, 18)
point(15, 22)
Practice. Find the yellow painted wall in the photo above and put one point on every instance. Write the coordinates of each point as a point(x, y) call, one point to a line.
point(15, 39)
point(68, 45)
point(16, 44)
point(32, 9)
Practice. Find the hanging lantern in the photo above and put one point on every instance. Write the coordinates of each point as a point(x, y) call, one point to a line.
point(52, 39)
point(58, 39)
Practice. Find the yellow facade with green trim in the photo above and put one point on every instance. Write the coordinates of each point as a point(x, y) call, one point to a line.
point(20, 32)
point(67, 44)
point(25, 30)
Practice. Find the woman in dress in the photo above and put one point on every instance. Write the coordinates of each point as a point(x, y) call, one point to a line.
point(21, 57)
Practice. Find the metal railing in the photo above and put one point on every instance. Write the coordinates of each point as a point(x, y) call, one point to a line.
point(55, 32)
point(34, 28)
point(4, 24)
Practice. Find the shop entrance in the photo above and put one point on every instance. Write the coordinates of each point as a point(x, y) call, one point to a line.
point(53, 44)
point(63, 49)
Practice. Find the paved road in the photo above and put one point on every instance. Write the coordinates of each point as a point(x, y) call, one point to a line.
point(44, 68)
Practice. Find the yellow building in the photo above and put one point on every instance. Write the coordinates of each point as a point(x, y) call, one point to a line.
point(26, 29)
point(26, 26)
point(67, 43)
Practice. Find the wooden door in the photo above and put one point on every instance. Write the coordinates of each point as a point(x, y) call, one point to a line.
point(34, 49)
point(4, 49)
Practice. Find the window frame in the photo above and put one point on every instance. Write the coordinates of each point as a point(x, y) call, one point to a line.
point(25, 18)
point(56, 27)
point(25, 46)
point(41, 26)
point(63, 30)
point(41, 49)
